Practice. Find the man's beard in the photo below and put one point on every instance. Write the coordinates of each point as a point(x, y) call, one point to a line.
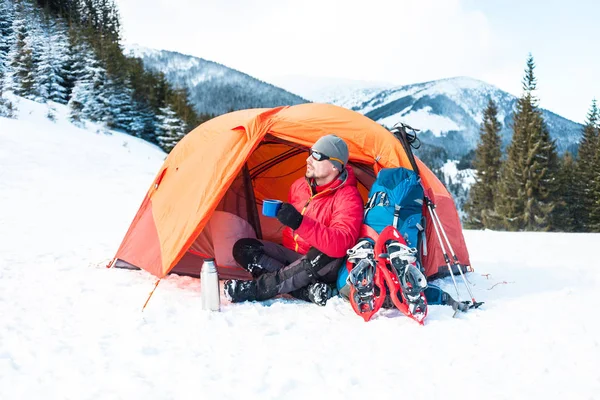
point(312, 174)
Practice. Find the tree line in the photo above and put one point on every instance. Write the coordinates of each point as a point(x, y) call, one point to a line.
point(532, 188)
point(69, 52)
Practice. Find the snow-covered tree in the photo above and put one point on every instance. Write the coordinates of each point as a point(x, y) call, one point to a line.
point(144, 122)
point(21, 56)
point(50, 71)
point(90, 78)
point(68, 51)
point(7, 16)
point(6, 108)
point(170, 127)
point(120, 109)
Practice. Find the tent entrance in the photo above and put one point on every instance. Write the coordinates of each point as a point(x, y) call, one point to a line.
point(267, 174)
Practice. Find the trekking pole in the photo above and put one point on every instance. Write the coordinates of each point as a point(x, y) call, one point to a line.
point(446, 258)
point(454, 257)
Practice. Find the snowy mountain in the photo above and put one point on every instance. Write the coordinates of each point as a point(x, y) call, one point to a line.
point(213, 88)
point(329, 89)
point(448, 112)
point(72, 329)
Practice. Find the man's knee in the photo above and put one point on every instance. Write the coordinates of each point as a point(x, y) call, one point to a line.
point(317, 258)
point(314, 262)
point(247, 251)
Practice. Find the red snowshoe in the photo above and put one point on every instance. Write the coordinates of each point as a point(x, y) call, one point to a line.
point(384, 265)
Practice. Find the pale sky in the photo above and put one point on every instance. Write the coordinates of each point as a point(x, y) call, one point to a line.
point(396, 41)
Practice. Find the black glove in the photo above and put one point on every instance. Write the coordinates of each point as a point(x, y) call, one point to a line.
point(289, 216)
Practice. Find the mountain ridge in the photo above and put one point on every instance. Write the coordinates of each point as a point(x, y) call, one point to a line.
point(213, 87)
point(447, 111)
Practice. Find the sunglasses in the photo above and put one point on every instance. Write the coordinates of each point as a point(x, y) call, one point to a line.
point(322, 157)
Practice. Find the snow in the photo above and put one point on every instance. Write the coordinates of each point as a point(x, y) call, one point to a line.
point(465, 92)
point(456, 86)
point(423, 119)
point(177, 63)
point(72, 329)
point(452, 174)
point(346, 93)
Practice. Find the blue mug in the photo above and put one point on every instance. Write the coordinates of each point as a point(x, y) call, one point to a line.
point(270, 207)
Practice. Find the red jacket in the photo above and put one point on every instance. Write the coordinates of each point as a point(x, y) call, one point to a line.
point(333, 215)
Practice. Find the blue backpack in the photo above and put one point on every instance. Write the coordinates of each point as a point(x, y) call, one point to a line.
point(396, 199)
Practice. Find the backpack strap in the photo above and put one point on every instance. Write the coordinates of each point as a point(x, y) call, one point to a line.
point(371, 202)
point(397, 208)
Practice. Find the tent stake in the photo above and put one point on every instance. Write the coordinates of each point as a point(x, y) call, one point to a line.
point(151, 293)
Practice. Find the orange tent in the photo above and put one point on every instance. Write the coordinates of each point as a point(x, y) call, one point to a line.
point(210, 188)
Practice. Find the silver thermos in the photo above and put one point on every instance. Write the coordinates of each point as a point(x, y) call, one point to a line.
point(209, 286)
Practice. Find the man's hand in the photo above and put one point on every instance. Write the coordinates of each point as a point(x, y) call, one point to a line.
point(289, 216)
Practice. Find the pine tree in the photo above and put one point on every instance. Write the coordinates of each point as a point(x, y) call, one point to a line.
point(72, 65)
point(480, 206)
point(50, 71)
point(7, 16)
point(90, 77)
point(171, 128)
point(118, 102)
point(63, 8)
point(142, 122)
point(6, 108)
point(595, 213)
point(528, 187)
point(585, 173)
point(564, 212)
point(21, 56)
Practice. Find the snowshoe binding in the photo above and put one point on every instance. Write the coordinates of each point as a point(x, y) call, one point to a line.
point(364, 280)
point(404, 279)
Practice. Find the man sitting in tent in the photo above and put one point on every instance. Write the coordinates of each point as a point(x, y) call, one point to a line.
point(323, 219)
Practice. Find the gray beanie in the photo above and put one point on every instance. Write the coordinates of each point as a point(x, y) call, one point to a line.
point(333, 146)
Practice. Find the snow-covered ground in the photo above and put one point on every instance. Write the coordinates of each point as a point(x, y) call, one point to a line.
point(72, 329)
point(435, 123)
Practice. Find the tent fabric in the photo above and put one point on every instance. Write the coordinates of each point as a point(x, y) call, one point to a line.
point(233, 162)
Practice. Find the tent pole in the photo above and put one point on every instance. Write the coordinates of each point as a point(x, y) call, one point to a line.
point(151, 293)
point(253, 217)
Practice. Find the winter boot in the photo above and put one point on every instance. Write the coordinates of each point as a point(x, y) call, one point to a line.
point(317, 293)
point(238, 291)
